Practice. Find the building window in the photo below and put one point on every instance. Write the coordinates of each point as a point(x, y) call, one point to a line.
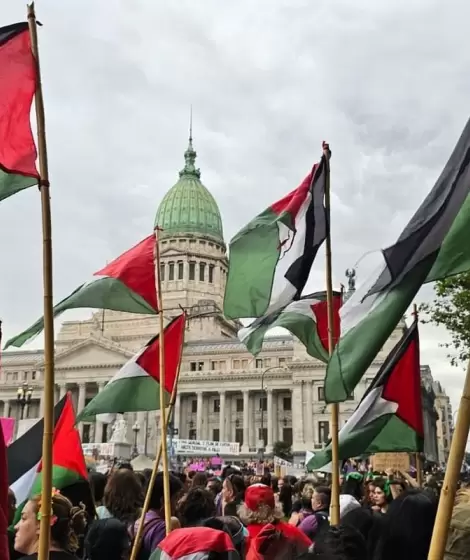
point(216, 434)
point(244, 364)
point(86, 433)
point(202, 272)
point(236, 364)
point(162, 272)
point(193, 366)
point(33, 375)
point(15, 376)
point(194, 406)
point(192, 433)
point(216, 405)
point(104, 433)
point(324, 431)
point(259, 363)
point(211, 273)
point(263, 404)
point(213, 366)
point(287, 436)
point(222, 366)
point(192, 270)
point(287, 403)
point(282, 362)
point(267, 362)
point(171, 271)
point(239, 435)
point(180, 270)
point(263, 435)
point(200, 366)
point(239, 405)
point(321, 393)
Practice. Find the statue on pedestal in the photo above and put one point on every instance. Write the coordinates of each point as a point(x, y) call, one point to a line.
point(351, 276)
point(119, 434)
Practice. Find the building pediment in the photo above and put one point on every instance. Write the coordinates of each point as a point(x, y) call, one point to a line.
point(92, 352)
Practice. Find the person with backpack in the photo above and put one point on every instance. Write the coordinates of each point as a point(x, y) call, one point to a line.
point(317, 523)
point(154, 525)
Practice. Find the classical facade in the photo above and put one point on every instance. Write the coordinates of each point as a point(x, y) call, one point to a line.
point(224, 393)
point(445, 424)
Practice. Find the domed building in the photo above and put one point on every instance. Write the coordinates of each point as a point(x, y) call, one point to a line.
point(224, 394)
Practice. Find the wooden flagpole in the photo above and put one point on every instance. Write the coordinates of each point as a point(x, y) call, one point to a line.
point(419, 466)
point(451, 478)
point(46, 494)
point(151, 484)
point(334, 508)
point(163, 443)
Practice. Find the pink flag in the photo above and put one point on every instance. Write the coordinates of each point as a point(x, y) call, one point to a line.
point(8, 428)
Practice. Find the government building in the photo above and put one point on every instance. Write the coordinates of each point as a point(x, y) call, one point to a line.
point(225, 394)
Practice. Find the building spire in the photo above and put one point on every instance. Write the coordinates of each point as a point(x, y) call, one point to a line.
point(190, 153)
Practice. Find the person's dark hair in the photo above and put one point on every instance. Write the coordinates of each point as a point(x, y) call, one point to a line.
point(285, 498)
point(141, 478)
point(97, 482)
point(123, 495)
point(214, 485)
point(228, 470)
point(199, 479)
point(181, 475)
point(274, 484)
point(124, 465)
point(354, 487)
point(407, 526)
point(266, 478)
point(237, 483)
point(156, 499)
point(384, 485)
point(368, 523)
point(342, 542)
point(106, 539)
point(324, 494)
point(198, 504)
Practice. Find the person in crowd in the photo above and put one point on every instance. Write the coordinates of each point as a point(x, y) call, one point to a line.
point(458, 539)
point(407, 526)
point(233, 491)
point(227, 471)
point(97, 482)
point(196, 506)
point(199, 479)
point(154, 523)
point(343, 542)
point(382, 496)
point(259, 512)
point(14, 555)
point(107, 539)
point(68, 523)
point(122, 497)
point(214, 485)
point(314, 525)
point(285, 499)
point(368, 523)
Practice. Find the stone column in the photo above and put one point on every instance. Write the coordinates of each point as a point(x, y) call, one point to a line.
point(81, 402)
point(297, 428)
point(62, 390)
point(98, 424)
point(309, 414)
point(246, 421)
point(222, 416)
point(6, 409)
point(199, 415)
point(269, 405)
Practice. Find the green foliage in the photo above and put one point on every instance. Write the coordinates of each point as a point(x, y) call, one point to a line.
point(283, 450)
point(451, 309)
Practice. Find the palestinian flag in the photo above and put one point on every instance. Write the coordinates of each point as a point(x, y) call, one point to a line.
point(126, 284)
point(25, 454)
point(270, 259)
point(196, 543)
point(389, 417)
point(306, 318)
point(17, 88)
point(433, 246)
point(4, 509)
point(136, 386)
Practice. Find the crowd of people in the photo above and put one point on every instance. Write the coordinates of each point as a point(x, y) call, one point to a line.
point(240, 516)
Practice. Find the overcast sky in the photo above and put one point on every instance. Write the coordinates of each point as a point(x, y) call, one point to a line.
point(386, 83)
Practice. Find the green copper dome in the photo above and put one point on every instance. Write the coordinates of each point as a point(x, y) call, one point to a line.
point(188, 207)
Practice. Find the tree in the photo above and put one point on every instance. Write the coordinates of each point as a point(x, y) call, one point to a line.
point(451, 309)
point(283, 450)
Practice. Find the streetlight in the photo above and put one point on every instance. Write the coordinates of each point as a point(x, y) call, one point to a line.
point(263, 390)
point(136, 430)
point(23, 398)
